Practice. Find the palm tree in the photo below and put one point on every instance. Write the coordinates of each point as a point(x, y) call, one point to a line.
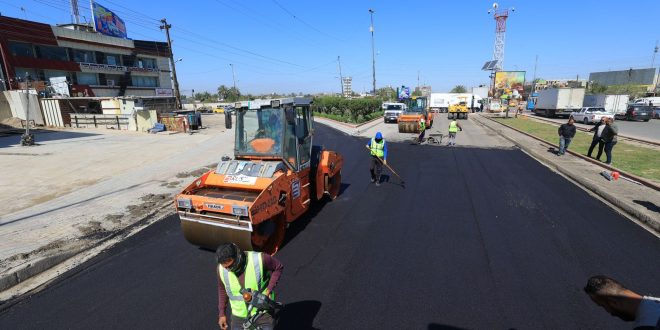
point(459, 89)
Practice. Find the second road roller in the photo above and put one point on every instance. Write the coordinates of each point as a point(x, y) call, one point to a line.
point(274, 177)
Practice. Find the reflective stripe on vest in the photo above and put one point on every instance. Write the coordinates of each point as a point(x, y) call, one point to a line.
point(453, 127)
point(377, 149)
point(253, 280)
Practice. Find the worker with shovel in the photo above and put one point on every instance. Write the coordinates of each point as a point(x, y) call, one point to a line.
point(378, 151)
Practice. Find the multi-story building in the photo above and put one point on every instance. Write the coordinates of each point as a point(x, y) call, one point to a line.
point(93, 64)
point(347, 82)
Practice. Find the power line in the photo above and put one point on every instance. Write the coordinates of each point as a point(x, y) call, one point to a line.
point(302, 21)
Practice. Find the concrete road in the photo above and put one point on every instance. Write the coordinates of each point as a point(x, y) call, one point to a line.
point(477, 238)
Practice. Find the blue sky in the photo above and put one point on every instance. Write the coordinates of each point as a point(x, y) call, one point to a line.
point(292, 45)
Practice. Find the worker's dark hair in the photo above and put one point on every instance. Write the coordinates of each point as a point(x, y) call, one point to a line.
point(225, 252)
point(603, 285)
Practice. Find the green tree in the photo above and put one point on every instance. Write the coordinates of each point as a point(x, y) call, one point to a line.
point(223, 92)
point(417, 92)
point(386, 93)
point(596, 88)
point(459, 89)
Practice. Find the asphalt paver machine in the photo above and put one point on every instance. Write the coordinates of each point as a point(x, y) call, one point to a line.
point(275, 175)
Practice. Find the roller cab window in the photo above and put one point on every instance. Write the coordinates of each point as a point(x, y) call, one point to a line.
point(259, 132)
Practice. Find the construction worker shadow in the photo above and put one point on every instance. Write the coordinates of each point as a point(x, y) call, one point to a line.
point(298, 315)
point(648, 205)
point(299, 225)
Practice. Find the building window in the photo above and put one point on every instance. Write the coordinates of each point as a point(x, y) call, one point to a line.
point(52, 53)
point(147, 63)
point(83, 56)
point(144, 81)
point(20, 73)
point(112, 59)
point(113, 79)
point(86, 78)
point(21, 49)
point(54, 73)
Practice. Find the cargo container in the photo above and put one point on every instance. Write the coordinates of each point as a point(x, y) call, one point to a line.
point(559, 101)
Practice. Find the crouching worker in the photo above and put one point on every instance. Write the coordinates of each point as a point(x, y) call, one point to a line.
point(239, 270)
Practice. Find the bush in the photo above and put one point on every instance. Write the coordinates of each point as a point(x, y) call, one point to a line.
point(347, 110)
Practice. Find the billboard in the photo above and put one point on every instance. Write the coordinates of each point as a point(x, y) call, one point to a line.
point(108, 23)
point(403, 93)
point(509, 84)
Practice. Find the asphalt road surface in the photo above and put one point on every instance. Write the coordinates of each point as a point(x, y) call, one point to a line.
point(477, 238)
point(649, 130)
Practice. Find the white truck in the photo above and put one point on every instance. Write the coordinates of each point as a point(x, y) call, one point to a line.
point(553, 102)
point(614, 104)
point(652, 100)
point(440, 102)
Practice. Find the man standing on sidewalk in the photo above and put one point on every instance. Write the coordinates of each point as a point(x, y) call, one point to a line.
point(566, 133)
point(596, 140)
point(454, 126)
point(609, 137)
point(378, 152)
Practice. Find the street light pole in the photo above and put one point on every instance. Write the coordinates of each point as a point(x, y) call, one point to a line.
point(341, 78)
point(373, 51)
point(233, 74)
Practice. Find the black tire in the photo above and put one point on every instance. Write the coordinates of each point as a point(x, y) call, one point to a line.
point(585, 121)
point(645, 120)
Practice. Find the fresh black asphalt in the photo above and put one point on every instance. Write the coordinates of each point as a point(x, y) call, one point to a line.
point(476, 239)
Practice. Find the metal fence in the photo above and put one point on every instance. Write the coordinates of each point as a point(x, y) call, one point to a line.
point(96, 120)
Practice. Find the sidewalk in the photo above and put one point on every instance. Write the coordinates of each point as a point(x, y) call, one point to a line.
point(639, 202)
point(81, 186)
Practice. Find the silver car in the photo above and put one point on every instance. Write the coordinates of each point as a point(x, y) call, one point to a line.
point(589, 115)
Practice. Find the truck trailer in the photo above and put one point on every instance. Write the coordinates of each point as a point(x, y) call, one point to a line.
point(615, 104)
point(553, 102)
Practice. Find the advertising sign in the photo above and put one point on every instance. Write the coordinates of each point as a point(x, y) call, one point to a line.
point(164, 92)
point(106, 22)
point(404, 92)
point(60, 85)
point(509, 84)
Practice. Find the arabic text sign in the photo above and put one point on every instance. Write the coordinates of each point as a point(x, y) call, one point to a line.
point(240, 179)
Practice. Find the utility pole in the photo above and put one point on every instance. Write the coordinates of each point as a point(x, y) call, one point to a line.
point(655, 51)
point(418, 80)
point(341, 78)
point(233, 75)
point(27, 139)
point(75, 15)
point(373, 51)
point(167, 27)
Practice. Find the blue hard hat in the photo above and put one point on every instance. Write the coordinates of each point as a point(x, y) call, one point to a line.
point(379, 136)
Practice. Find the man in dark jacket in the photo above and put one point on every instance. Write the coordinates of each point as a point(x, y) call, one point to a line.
point(609, 137)
point(596, 140)
point(566, 133)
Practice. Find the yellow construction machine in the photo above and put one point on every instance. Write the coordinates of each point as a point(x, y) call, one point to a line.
point(416, 111)
point(458, 110)
point(274, 177)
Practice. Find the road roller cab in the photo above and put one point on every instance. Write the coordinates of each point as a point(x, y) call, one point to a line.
point(417, 110)
point(275, 175)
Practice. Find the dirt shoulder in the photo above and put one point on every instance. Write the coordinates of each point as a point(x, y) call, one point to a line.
point(81, 187)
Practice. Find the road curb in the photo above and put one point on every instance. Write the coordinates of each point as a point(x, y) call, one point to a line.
point(649, 220)
point(33, 268)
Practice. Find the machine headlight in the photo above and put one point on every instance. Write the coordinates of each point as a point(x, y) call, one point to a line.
point(239, 210)
point(184, 203)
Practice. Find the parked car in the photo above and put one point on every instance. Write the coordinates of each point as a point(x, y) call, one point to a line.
point(219, 109)
point(204, 109)
point(656, 113)
point(393, 111)
point(636, 112)
point(590, 115)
